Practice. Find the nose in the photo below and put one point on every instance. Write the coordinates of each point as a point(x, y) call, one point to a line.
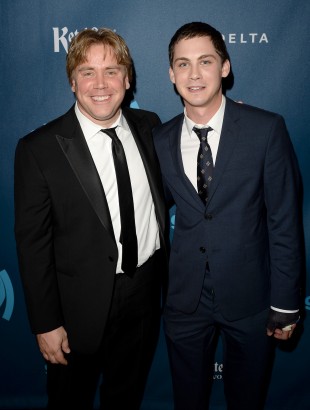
point(195, 72)
point(101, 81)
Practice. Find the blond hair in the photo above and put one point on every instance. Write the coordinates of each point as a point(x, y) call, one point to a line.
point(80, 44)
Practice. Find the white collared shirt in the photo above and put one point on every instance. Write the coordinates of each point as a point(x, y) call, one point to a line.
point(190, 142)
point(100, 146)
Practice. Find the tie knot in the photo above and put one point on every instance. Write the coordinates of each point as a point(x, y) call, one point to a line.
point(110, 132)
point(202, 132)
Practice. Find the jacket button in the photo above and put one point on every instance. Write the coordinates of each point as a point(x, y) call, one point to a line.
point(202, 249)
point(208, 216)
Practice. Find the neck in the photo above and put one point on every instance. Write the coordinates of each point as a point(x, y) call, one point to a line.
point(203, 114)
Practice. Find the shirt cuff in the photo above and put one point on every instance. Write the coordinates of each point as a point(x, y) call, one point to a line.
point(284, 311)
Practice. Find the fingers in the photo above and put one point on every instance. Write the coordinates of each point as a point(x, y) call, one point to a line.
point(65, 345)
point(282, 334)
point(55, 357)
point(58, 358)
point(53, 345)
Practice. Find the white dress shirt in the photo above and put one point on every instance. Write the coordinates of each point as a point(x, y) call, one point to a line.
point(100, 146)
point(190, 142)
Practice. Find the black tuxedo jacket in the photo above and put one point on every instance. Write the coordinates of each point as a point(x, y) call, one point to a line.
point(250, 230)
point(65, 242)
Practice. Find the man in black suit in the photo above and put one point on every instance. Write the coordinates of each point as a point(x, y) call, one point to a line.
point(235, 258)
point(92, 313)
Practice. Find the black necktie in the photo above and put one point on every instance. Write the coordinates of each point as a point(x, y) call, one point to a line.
point(204, 163)
point(128, 237)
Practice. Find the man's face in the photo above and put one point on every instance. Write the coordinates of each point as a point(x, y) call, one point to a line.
point(100, 84)
point(197, 73)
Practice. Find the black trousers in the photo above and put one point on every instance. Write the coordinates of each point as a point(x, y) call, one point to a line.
point(125, 356)
point(191, 340)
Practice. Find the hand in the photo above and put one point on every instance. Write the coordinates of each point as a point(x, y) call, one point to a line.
point(53, 345)
point(281, 325)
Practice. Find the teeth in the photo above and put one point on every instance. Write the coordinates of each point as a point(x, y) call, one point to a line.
point(101, 97)
point(195, 88)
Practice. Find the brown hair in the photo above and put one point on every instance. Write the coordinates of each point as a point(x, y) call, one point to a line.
point(199, 29)
point(86, 38)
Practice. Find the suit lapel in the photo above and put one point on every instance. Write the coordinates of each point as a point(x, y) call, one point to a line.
point(175, 149)
point(141, 132)
point(228, 141)
point(74, 147)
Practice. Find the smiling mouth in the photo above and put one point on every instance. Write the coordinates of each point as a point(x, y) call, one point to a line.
point(196, 88)
point(100, 98)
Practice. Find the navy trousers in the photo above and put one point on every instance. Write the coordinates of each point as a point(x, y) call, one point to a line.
point(192, 339)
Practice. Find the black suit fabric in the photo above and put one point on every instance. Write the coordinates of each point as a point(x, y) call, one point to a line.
point(65, 241)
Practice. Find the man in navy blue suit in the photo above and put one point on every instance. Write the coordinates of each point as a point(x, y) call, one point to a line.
point(236, 252)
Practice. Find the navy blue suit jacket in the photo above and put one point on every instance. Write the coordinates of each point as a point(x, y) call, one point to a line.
point(249, 232)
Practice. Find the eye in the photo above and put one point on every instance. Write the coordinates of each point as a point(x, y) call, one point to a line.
point(206, 62)
point(87, 74)
point(111, 73)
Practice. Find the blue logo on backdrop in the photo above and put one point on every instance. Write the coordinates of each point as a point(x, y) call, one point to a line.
point(172, 221)
point(307, 302)
point(134, 104)
point(6, 295)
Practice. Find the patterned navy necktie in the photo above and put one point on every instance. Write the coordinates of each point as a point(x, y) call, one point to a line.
point(128, 237)
point(204, 163)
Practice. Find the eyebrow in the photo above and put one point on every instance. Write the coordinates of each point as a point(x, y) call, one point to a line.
point(199, 58)
point(86, 68)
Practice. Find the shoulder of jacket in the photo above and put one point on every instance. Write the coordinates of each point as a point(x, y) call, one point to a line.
point(50, 128)
point(169, 125)
point(246, 109)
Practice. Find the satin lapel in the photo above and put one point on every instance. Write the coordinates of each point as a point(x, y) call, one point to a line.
point(141, 132)
point(175, 149)
point(78, 155)
point(228, 141)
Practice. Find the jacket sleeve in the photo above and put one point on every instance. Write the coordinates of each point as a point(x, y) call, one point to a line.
point(34, 240)
point(283, 204)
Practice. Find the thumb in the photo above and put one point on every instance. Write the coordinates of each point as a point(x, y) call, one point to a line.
point(65, 345)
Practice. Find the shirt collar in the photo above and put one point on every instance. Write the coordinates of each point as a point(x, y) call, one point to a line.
point(90, 129)
point(215, 122)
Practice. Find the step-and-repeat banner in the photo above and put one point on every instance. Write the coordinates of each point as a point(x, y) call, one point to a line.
point(268, 41)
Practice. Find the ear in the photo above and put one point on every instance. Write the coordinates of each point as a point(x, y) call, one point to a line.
point(127, 83)
point(225, 68)
point(73, 85)
point(171, 75)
